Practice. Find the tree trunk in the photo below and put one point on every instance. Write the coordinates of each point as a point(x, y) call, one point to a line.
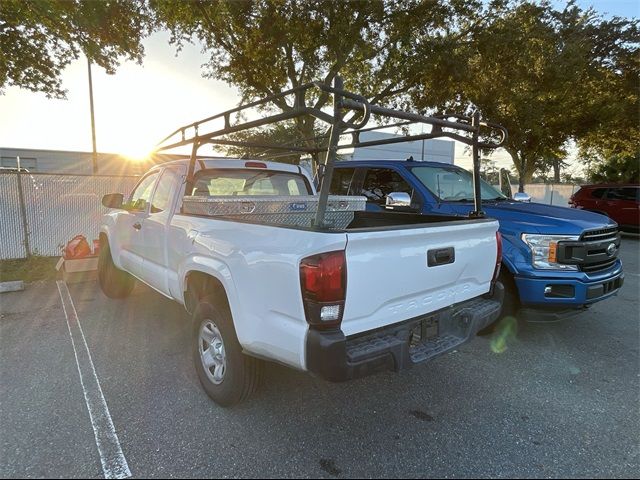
point(305, 127)
point(556, 170)
point(520, 167)
point(525, 169)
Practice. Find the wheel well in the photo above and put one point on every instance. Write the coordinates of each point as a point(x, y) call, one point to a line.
point(199, 285)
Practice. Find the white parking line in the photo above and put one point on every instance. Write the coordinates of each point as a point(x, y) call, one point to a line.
point(114, 465)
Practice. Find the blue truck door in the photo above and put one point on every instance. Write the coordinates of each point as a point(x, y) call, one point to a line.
point(377, 183)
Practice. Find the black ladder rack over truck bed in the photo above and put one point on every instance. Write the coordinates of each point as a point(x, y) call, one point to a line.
point(472, 131)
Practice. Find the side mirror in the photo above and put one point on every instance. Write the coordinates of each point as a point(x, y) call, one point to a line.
point(398, 199)
point(522, 197)
point(113, 200)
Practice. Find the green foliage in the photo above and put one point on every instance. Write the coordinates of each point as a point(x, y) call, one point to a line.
point(39, 38)
point(611, 148)
point(284, 135)
point(615, 169)
point(546, 75)
point(265, 47)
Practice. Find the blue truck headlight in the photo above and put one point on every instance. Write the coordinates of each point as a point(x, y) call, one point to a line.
point(544, 250)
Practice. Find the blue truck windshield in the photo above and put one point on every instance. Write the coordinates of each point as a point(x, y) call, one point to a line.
point(453, 184)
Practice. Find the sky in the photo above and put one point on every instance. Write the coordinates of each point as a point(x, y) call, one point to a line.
point(141, 104)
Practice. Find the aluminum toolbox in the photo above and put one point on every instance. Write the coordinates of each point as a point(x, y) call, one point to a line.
point(295, 211)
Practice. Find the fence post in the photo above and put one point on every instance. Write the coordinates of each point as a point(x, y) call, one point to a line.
point(551, 201)
point(23, 212)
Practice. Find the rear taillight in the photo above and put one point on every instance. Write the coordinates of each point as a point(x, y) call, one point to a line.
point(496, 272)
point(323, 279)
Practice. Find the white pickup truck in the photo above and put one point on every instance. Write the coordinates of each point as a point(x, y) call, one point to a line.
point(373, 291)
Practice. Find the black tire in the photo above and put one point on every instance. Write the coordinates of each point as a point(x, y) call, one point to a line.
point(242, 373)
point(115, 283)
point(510, 305)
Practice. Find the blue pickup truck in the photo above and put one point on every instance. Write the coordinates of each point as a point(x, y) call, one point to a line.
point(556, 261)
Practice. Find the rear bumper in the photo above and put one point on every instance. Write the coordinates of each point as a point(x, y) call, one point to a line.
point(334, 357)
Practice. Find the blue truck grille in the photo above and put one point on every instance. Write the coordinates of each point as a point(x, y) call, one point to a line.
point(596, 257)
point(596, 250)
point(602, 234)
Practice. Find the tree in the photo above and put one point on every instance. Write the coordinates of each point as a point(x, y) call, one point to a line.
point(489, 170)
point(615, 169)
point(255, 143)
point(554, 163)
point(542, 73)
point(611, 149)
point(265, 47)
point(38, 39)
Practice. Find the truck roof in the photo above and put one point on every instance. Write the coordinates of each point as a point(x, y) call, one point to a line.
point(406, 163)
point(224, 162)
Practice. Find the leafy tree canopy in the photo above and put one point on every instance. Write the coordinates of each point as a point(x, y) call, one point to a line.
point(39, 38)
point(548, 76)
point(611, 148)
point(614, 169)
point(265, 47)
point(260, 143)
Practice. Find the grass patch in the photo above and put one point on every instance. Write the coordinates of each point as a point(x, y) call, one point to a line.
point(28, 269)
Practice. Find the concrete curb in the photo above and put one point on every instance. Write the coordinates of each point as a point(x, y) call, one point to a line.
point(11, 286)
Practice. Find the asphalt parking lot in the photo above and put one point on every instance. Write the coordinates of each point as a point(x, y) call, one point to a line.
point(561, 401)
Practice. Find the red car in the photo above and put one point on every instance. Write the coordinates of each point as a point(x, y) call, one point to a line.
point(621, 202)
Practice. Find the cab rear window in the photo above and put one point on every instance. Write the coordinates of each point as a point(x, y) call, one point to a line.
point(249, 182)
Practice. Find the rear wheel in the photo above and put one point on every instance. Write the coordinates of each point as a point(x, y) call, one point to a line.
point(510, 305)
point(115, 283)
point(226, 374)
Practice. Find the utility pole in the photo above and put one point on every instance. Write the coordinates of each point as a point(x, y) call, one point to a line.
point(23, 210)
point(93, 121)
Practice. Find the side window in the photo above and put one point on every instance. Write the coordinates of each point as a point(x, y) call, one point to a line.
point(162, 196)
point(598, 192)
point(628, 193)
point(342, 181)
point(142, 194)
point(380, 182)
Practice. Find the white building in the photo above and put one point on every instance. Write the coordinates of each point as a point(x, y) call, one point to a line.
point(421, 150)
point(72, 162)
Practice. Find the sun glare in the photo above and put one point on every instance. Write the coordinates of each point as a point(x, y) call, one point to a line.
point(136, 153)
point(136, 158)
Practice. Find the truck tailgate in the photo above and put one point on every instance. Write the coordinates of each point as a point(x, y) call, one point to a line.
point(389, 280)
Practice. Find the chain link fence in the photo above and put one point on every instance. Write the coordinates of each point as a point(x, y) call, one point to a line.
point(57, 207)
point(54, 208)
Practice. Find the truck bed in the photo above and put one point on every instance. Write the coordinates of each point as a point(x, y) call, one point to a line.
point(344, 213)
